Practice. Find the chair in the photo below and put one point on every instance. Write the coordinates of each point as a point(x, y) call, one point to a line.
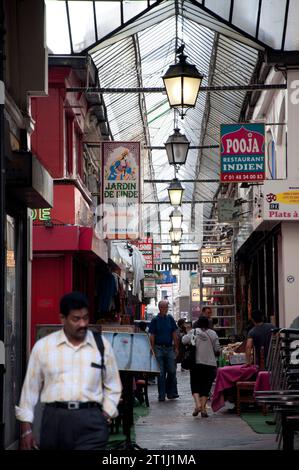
point(141, 391)
point(245, 390)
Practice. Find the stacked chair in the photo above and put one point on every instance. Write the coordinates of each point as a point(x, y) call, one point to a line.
point(283, 366)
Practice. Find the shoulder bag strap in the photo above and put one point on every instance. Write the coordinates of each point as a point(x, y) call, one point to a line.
point(210, 340)
point(100, 344)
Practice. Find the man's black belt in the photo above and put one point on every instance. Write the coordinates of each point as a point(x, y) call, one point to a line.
point(164, 345)
point(74, 405)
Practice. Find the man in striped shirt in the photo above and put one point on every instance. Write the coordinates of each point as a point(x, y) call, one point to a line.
point(64, 371)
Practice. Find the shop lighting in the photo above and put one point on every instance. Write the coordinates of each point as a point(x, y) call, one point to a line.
point(175, 192)
point(177, 147)
point(176, 219)
point(175, 249)
point(182, 82)
point(175, 234)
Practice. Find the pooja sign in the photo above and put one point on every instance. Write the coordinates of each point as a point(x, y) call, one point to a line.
point(242, 152)
point(121, 189)
point(281, 200)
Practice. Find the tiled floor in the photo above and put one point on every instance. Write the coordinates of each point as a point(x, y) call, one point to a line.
point(170, 425)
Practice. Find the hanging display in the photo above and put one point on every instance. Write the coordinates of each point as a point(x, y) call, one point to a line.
point(242, 152)
point(121, 189)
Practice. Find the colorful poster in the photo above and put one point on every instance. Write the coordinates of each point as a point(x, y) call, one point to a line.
point(157, 254)
point(145, 246)
point(281, 200)
point(121, 189)
point(167, 278)
point(149, 287)
point(242, 152)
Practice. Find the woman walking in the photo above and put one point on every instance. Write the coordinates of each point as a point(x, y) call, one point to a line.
point(203, 373)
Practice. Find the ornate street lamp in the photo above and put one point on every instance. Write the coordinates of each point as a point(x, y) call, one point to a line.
point(176, 218)
point(175, 258)
point(182, 82)
point(175, 249)
point(177, 146)
point(175, 270)
point(175, 234)
point(175, 192)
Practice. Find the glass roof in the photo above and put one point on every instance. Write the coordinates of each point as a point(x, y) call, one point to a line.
point(92, 23)
point(132, 43)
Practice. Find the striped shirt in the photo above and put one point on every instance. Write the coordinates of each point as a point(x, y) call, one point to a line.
point(59, 371)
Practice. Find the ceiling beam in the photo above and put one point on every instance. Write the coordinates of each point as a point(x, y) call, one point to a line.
point(183, 181)
point(249, 87)
point(184, 202)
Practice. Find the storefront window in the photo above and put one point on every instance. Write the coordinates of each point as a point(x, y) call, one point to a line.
point(12, 375)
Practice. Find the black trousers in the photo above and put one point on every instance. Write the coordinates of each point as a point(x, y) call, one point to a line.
point(84, 429)
point(201, 379)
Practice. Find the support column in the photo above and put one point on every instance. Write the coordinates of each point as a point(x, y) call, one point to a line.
point(292, 124)
point(289, 275)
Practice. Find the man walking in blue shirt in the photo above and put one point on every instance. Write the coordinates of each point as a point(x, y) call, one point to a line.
point(164, 342)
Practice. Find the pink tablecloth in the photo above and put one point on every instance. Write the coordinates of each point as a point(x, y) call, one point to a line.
point(226, 378)
point(262, 381)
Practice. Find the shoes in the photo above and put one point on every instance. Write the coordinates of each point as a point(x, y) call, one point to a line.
point(204, 414)
point(161, 399)
point(196, 411)
point(171, 397)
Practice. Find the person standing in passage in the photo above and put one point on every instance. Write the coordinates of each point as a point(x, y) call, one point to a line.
point(258, 337)
point(65, 368)
point(182, 331)
point(164, 341)
point(203, 373)
point(207, 312)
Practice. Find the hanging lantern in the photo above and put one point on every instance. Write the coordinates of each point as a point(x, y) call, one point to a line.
point(176, 219)
point(175, 192)
point(177, 146)
point(175, 258)
point(175, 249)
point(182, 82)
point(175, 234)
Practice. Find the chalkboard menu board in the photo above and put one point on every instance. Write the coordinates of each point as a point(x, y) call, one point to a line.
point(132, 350)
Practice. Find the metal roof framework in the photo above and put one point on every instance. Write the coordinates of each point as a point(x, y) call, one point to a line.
point(133, 43)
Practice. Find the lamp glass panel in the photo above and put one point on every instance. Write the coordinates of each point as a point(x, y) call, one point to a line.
point(190, 89)
point(176, 221)
point(175, 272)
point(174, 90)
point(177, 153)
point(175, 196)
point(177, 235)
point(175, 258)
point(175, 249)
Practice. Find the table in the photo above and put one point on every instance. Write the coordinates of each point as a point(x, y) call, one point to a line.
point(262, 382)
point(226, 378)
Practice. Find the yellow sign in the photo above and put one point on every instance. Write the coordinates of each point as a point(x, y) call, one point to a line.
point(195, 295)
point(289, 197)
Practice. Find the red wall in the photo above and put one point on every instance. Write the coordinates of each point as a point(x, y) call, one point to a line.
point(47, 138)
point(51, 279)
point(64, 204)
point(49, 113)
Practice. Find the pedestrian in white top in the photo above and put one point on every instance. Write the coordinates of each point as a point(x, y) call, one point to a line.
point(65, 372)
point(203, 373)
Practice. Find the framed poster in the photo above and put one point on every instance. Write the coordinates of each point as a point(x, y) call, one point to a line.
point(121, 190)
